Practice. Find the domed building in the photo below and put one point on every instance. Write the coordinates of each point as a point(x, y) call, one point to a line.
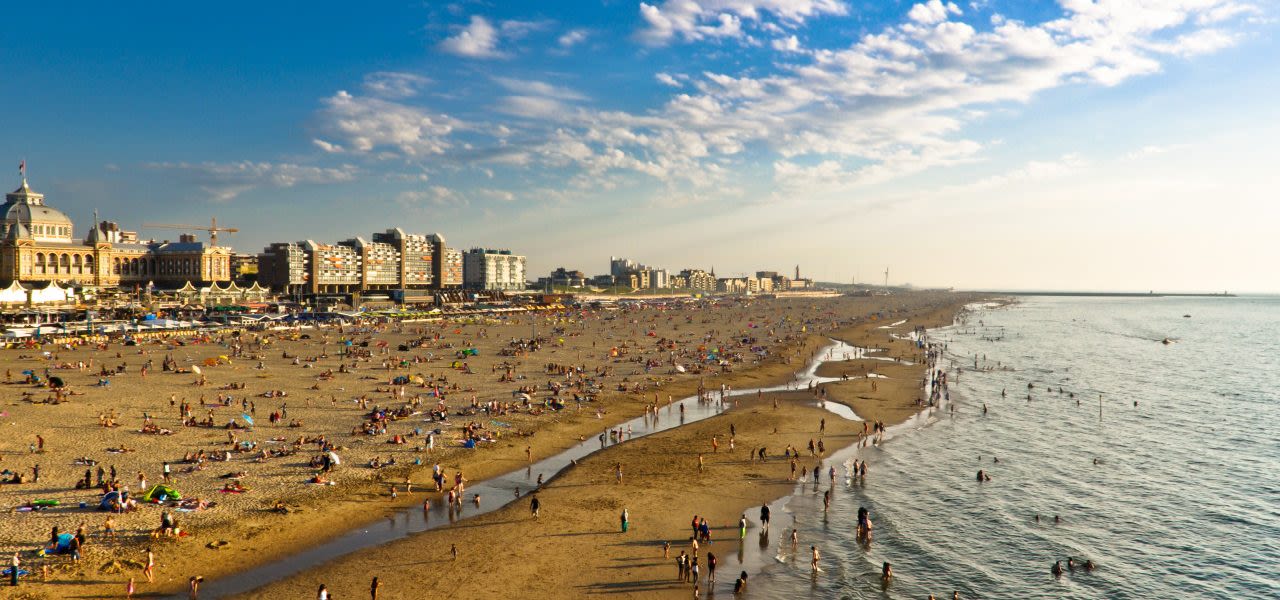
point(38, 244)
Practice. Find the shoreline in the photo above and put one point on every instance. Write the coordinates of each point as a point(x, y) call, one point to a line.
point(365, 500)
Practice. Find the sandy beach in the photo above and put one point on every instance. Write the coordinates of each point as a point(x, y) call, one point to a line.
point(324, 392)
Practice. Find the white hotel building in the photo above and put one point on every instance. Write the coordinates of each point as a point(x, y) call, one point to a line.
point(486, 269)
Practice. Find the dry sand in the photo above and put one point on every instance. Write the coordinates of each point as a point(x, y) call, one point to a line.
point(788, 331)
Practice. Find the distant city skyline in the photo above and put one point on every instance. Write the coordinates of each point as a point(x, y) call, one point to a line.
point(1070, 145)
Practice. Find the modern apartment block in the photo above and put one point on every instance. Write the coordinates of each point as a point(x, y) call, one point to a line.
point(392, 260)
point(696, 279)
point(487, 269)
point(638, 275)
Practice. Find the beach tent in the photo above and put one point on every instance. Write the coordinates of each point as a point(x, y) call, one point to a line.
point(111, 497)
point(14, 294)
point(52, 294)
point(62, 546)
point(161, 492)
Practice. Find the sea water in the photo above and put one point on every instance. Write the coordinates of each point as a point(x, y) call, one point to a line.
point(1183, 500)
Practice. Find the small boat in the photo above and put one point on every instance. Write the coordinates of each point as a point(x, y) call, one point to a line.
point(1166, 341)
point(1186, 316)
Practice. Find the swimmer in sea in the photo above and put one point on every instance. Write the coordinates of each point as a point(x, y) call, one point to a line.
point(886, 572)
point(1056, 569)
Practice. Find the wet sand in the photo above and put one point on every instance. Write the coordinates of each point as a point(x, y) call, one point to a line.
point(241, 531)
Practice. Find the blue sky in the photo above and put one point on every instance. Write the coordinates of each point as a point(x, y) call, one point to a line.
point(1073, 144)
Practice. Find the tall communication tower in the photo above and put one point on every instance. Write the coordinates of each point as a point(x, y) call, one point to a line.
point(886, 277)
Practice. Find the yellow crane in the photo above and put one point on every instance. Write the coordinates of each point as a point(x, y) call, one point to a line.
point(213, 228)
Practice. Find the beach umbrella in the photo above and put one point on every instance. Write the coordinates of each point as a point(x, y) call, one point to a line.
point(247, 418)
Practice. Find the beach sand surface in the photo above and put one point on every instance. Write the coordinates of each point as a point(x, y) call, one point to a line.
point(768, 340)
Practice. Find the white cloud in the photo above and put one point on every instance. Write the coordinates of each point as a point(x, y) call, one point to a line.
point(538, 88)
point(1226, 12)
point(933, 11)
point(668, 79)
point(479, 39)
point(894, 103)
point(533, 107)
point(572, 38)
point(326, 146)
point(363, 124)
point(515, 29)
point(691, 20)
point(225, 181)
point(436, 195)
point(1203, 41)
point(387, 84)
point(788, 44)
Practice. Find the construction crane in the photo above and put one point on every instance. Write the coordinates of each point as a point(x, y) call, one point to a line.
point(213, 229)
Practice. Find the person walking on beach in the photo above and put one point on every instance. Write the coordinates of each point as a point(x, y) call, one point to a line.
point(373, 589)
point(150, 570)
point(193, 587)
point(13, 570)
point(711, 567)
point(742, 527)
point(626, 520)
point(764, 517)
point(534, 506)
point(322, 593)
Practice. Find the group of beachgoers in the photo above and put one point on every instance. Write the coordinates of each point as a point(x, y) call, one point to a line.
point(717, 349)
